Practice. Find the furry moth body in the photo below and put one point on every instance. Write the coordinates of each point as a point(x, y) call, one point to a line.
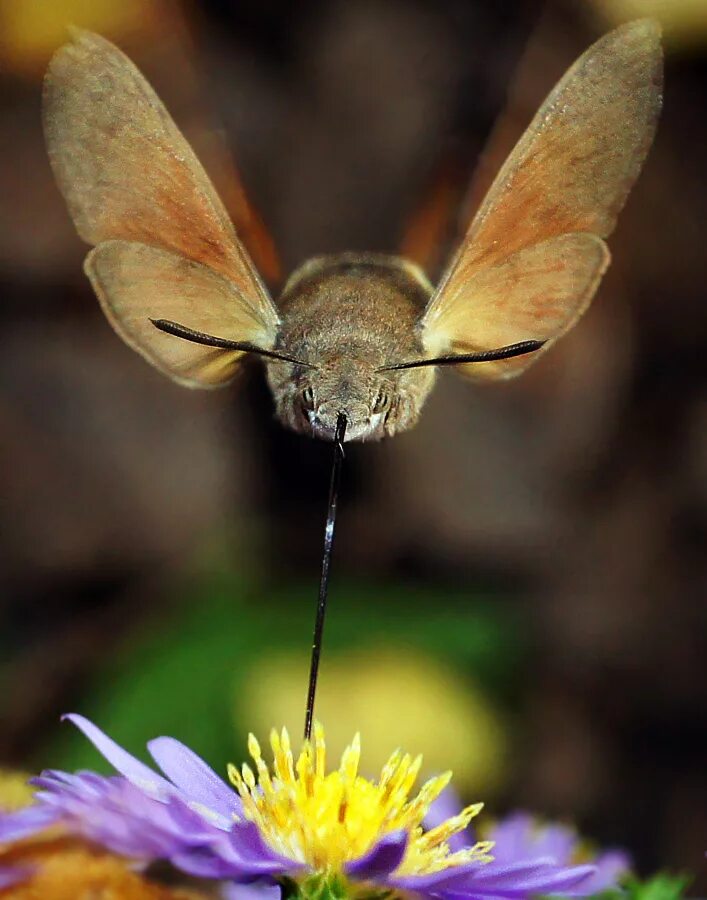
point(354, 334)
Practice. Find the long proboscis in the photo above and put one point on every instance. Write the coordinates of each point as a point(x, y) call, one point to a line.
point(210, 340)
point(479, 356)
point(326, 564)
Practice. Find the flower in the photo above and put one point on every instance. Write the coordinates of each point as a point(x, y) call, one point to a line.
point(291, 827)
point(14, 794)
point(65, 868)
point(520, 836)
point(8, 877)
point(55, 866)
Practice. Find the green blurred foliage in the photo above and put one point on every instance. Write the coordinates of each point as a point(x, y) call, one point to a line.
point(663, 886)
point(181, 674)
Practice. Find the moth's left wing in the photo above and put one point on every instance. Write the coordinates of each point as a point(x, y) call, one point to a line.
point(131, 279)
point(126, 171)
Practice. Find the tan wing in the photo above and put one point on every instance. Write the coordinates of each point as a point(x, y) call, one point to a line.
point(134, 283)
point(538, 293)
point(570, 172)
point(127, 172)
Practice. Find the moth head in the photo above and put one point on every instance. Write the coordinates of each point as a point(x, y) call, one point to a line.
point(375, 403)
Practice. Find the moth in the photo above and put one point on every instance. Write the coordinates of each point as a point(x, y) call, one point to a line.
point(353, 339)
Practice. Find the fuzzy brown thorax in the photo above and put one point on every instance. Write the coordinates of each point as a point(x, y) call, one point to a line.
point(348, 316)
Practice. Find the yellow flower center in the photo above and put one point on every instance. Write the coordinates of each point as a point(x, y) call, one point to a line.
point(326, 820)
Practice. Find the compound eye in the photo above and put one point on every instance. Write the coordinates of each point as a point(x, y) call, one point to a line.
point(381, 402)
point(308, 399)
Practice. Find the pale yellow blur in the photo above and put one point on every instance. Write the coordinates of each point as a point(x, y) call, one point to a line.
point(684, 22)
point(395, 698)
point(31, 30)
point(14, 790)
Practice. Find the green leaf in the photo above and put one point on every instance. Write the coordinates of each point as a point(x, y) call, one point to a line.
point(331, 887)
point(663, 886)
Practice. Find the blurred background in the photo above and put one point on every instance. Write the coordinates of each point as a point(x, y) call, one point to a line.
point(518, 586)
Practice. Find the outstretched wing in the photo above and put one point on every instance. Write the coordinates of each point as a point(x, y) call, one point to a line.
point(130, 278)
point(128, 175)
point(569, 175)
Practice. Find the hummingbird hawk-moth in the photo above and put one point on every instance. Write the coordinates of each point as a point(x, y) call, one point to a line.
point(352, 338)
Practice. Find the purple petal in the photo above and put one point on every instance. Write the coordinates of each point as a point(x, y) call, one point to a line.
point(518, 882)
point(511, 837)
point(490, 878)
point(8, 877)
point(88, 786)
point(258, 890)
point(518, 835)
point(210, 862)
point(610, 867)
point(557, 841)
point(470, 894)
point(381, 860)
point(25, 822)
point(138, 773)
point(246, 841)
point(240, 855)
point(117, 814)
point(194, 777)
point(559, 882)
point(202, 863)
point(197, 826)
point(445, 807)
point(129, 822)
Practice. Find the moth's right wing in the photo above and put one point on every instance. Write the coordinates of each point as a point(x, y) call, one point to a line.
point(128, 175)
point(534, 253)
point(131, 278)
point(537, 293)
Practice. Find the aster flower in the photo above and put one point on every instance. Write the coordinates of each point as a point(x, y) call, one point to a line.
point(287, 829)
point(521, 836)
point(66, 868)
point(9, 876)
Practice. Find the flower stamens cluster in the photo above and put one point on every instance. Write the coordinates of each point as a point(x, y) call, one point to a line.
point(325, 820)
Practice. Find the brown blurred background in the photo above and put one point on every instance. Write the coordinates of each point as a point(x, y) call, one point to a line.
point(519, 582)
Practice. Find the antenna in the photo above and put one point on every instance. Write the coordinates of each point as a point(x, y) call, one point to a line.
point(209, 340)
point(508, 352)
point(326, 562)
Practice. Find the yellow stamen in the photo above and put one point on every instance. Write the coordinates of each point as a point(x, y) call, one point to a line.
point(325, 820)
